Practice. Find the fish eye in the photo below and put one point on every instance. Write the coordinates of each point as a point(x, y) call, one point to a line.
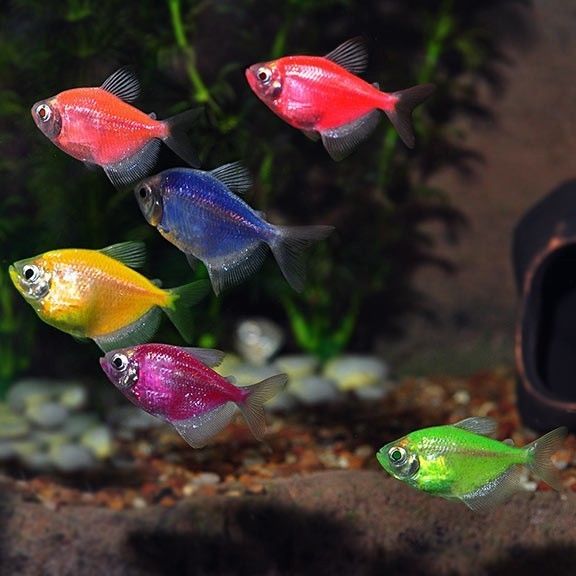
point(397, 455)
point(31, 273)
point(120, 362)
point(44, 112)
point(143, 192)
point(264, 75)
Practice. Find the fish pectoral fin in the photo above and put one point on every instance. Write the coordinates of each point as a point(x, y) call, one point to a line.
point(132, 254)
point(235, 176)
point(236, 268)
point(123, 83)
point(135, 167)
point(198, 430)
point(135, 333)
point(341, 141)
point(208, 356)
point(496, 491)
point(479, 425)
point(351, 55)
point(312, 134)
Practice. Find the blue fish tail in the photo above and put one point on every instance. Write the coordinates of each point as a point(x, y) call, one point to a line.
point(539, 456)
point(288, 245)
point(253, 407)
point(177, 140)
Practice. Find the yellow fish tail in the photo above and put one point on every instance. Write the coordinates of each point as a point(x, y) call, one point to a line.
point(179, 303)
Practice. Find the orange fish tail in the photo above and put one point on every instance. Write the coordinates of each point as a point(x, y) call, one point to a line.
point(176, 139)
point(401, 113)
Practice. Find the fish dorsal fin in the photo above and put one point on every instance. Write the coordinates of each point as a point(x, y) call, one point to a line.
point(123, 83)
point(478, 424)
point(235, 176)
point(508, 442)
point(207, 356)
point(132, 254)
point(232, 380)
point(153, 115)
point(157, 282)
point(352, 55)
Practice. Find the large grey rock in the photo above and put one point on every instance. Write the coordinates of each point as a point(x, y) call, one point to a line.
point(30, 391)
point(329, 524)
point(47, 415)
point(314, 390)
point(72, 458)
point(297, 365)
point(354, 371)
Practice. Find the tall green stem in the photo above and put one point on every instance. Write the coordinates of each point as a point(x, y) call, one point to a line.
point(201, 92)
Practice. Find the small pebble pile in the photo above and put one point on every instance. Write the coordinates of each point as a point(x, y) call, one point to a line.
point(49, 426)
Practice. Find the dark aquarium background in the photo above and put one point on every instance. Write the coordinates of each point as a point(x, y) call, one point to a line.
point(189, 54)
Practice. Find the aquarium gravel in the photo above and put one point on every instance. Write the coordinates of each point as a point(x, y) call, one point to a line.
point(158, 468)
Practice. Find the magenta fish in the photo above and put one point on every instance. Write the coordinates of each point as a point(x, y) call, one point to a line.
point(179, 386)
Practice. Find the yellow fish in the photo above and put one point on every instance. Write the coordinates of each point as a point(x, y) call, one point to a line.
point(96, 294)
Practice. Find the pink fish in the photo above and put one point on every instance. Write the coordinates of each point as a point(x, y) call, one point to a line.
point(323, 97)
point(179, 386)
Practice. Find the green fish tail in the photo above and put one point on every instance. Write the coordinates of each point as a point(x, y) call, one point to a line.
point(183, 298)
point(540, 453)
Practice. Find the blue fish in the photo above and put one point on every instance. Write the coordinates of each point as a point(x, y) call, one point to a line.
point(200, 213)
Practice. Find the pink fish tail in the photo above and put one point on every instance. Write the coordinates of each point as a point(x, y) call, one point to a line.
point(252, 407)
point(400, 114)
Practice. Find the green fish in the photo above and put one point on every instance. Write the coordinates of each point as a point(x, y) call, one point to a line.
point(460, 462)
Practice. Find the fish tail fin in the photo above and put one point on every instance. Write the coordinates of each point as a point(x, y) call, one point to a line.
point(288, 245)
point(177, 140)
point(182, 298)
point(253, 406)
point(539, 456)
point(401, 113)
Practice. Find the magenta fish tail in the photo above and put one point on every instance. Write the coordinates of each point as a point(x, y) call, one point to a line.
point(252, 407)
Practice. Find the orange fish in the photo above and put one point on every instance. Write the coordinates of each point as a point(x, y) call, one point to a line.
point(98, 126)
point(96, 294)
point(323, 97)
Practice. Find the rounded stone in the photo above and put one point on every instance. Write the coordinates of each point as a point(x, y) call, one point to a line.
point(228, 364)
point(24, 448)
point(247, 374)
point(351, 372)
point(282, 402)
point(29, 392)
point(297, 365)
point(314, 390)
point(13, 426)
point(77, 424)
point(50, 438)
point(99, 440)
point(373, 392)
point(133, 419)
point(48, 415)
point(258, 339)
point(72, 458)
point(6, 450)
point(73, 396)
point(37, 461)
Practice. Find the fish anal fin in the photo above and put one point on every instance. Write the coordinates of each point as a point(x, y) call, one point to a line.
point(496, 491)
point(340, 142)
point(198, 430)
point(123, 83)
point(234, 176)
point(132, 254)
point(479, 425)
point(135, 333)
point(235, 268)
point(351, 55)
point(135, 167)
point(312, 134)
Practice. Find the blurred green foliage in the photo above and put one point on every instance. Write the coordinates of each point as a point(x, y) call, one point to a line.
point(193, 53)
